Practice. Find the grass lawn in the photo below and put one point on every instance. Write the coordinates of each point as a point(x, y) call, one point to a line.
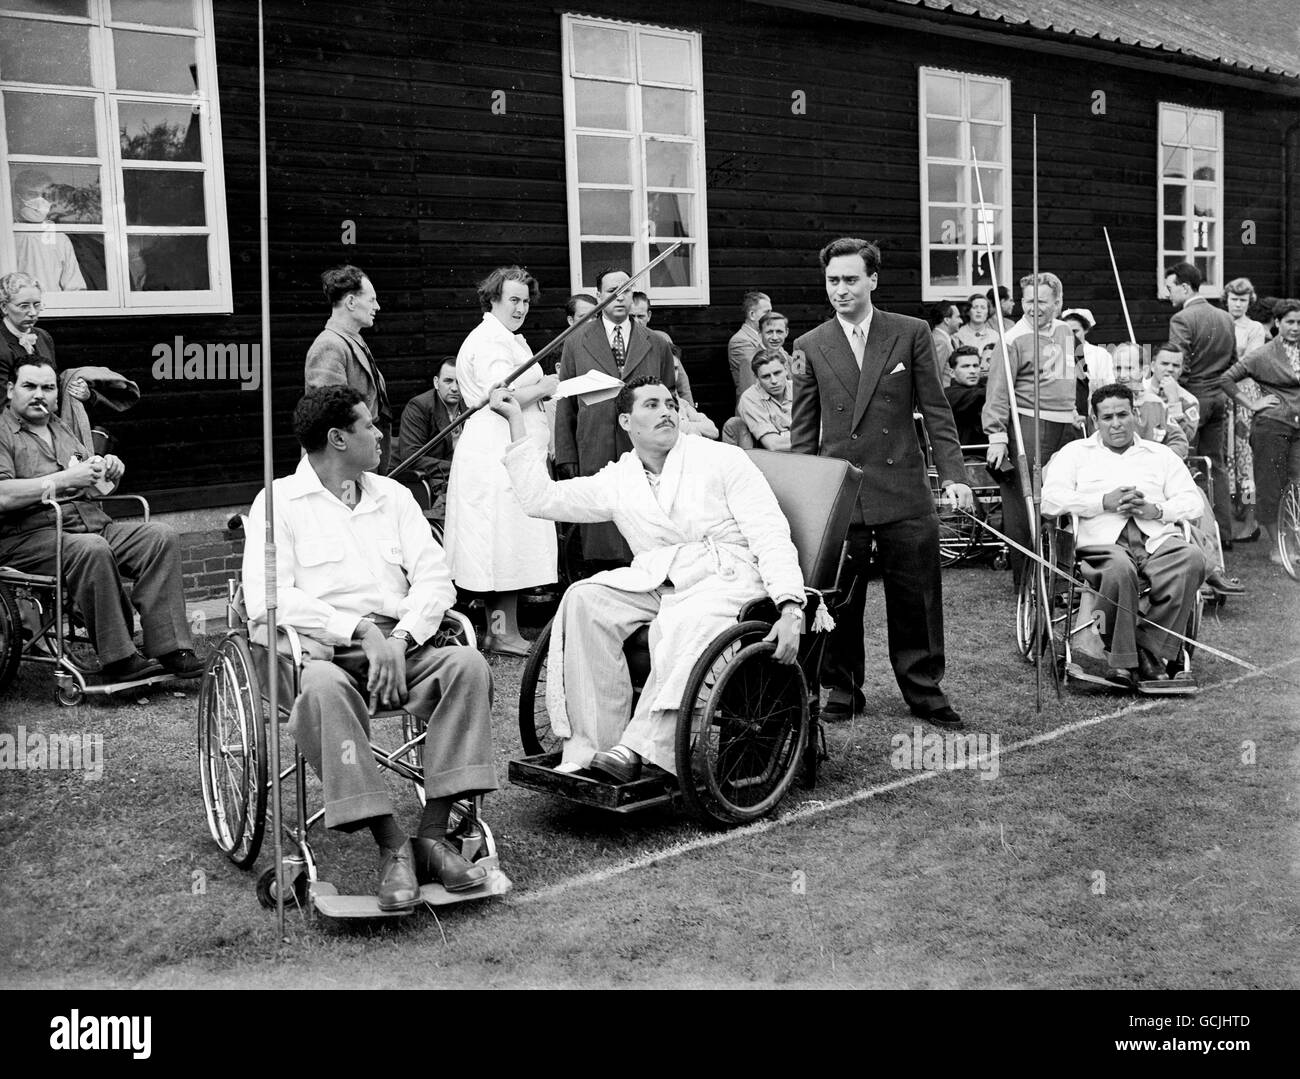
point(1154, 849)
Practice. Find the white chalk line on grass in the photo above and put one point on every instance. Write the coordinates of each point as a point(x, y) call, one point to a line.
point(816, 809)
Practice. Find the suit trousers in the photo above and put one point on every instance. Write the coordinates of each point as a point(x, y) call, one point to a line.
point(1212, 442)
point(450, 691)
point(1117, 570)
point(908, 557)
point(93, 566)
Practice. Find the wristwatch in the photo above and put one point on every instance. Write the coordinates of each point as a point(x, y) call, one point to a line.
point(402, 635)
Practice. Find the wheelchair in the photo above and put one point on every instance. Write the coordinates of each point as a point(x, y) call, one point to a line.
point(747, 725)
point(1070, 609)
point(1288, 529)
point(961, 538)
point(39, 624)
point(233, 745)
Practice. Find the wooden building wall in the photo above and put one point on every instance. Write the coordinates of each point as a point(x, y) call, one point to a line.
point(381, 117)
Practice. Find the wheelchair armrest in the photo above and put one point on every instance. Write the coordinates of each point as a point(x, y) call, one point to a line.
point(144, 505)
point(295, 644)
point(463, 625)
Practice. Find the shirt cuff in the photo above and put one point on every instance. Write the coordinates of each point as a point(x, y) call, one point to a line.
point(999, 438)
point(800, 600)
point(340, 627)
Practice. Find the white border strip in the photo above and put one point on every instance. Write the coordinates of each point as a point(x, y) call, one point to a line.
point(817, 809)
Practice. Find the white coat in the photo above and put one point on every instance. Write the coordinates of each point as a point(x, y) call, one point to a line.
point(491, 544)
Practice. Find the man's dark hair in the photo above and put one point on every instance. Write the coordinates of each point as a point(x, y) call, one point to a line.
point(627, 395)
point(1169, 346)
point(341, 281)
point(996, 295)
point(960, 351)
point(849, 245)
point(764, 356)
point(320, 409)
point(600, 277)
point(492, 286)
point(1282, 308)
point(571, 308)
point(443, 362)
point(637, 297)
point(1184, 273)
point(772, 316)
point(938, 312)
point(1262, 309)
point(1115, 389)
point(30, 361)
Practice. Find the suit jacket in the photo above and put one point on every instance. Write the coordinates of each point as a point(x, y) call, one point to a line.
point(588, 436)
point(12, 353)
point(422, 418)
point(866, 417)
point(1209, 343)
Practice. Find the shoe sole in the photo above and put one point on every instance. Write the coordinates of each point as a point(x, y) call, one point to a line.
point(399, 906)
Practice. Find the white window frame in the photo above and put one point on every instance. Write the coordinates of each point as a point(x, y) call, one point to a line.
point(119, 298)
point(957, 293)
point(698, 293)
point(1212, 288)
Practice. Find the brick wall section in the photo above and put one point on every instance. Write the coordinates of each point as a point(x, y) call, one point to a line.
point(209, 559)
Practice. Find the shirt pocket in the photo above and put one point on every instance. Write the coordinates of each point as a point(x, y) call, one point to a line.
point(390, 549)
point(319, 552)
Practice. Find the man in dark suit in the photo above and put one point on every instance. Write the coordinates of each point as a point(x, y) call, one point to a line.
point(422, 418)
point(588, 437)
point(867, 371)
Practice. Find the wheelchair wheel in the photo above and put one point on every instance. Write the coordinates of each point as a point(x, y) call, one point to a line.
point(11, 637)
point(232, 752)
point(1288, 534)
point(742, 728)
point(411, 728)
point(958, 535)
point(534, 721)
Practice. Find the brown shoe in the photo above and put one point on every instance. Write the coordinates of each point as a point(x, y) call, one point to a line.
point(436, 860)
point(398, 888)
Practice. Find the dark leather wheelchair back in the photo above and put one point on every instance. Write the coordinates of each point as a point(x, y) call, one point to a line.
point(817, 496)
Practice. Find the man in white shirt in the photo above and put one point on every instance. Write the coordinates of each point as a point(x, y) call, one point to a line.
point(1128, 494)
point(361, 578)
point(766, 406)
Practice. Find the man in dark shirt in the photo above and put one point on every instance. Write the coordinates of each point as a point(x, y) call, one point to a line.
point(41, 458)
point(966, 395)
point(422, 418)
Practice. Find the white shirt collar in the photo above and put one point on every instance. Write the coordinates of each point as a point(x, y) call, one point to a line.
point(1093, 441)
point(609, 330)
point(305, 481)
point(847, 326)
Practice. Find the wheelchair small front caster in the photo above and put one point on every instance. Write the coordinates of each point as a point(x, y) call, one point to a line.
point(297, 888)
point(69, 694)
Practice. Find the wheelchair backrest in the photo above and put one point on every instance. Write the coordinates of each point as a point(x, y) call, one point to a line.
point(817, 496)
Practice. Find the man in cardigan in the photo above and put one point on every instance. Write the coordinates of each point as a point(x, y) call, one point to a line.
point(866, 372)
point(339, 357)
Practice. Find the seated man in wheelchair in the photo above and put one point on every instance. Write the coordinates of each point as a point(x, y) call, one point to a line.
point(707, 536)
point(39, 458)
point(361, 578)
point(1129, 493)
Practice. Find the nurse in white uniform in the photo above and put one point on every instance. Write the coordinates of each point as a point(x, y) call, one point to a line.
point(492, 546)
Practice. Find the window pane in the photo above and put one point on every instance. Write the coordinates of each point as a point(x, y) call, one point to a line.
point(50, 125)
point(601, 104)
point(674, 271)
point(943, 138)
point(1205, 264)
point(605, 213)
point(1173, 127)
point(1203, 200)
point(979, 274)
point(666, 59)
point(986, 141)
point(1175, 200)
point(76, 8)
point(150, 131)
point(168, 263)
point(942, 95)
point(1204, 165)
point(669, 215)
point(994, 220)
point(1203, 234)
point(1174, 239)
point(944, 267)
point(990, 184)
point(668, 112)
point(946, 183)
point(985, 101)
point(601, 50)
point(161, 62)
point(1174, 162)
point(155, 12)
point(669, 164)
point(947, 225)
point(1204, 130)
point(603, 161)
point(73, 192)
point(596, 257)
point(161, 197)
point(49, 52)
point(61, 261)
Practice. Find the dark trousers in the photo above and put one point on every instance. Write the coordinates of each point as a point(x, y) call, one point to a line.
point(93, 567)
point(1276, 450)
point(1212, 442)
point(908, 558)
point(1015, 513)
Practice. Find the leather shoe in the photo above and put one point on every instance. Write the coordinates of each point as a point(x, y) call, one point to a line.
point(1225, 586)
point(398, 888)
point(437, 860)
point(129, 669)
point(1151, 669)
point(183, 663)
point(619, 763)
point(945, 716)
point(842, 706)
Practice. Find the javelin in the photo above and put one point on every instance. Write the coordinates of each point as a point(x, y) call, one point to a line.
point(1119, 285)
point(536, 357)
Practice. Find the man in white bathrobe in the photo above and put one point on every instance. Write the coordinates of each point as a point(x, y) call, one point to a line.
point(707, 536)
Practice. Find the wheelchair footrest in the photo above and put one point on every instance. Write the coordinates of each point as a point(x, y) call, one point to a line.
point(1178, 686)
point(327, 901)
point(539, 773)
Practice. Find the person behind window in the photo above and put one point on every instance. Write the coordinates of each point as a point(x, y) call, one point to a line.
point(766, 406)
point(47, 254)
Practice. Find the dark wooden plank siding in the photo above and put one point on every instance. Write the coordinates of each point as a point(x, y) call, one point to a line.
point(382, 117)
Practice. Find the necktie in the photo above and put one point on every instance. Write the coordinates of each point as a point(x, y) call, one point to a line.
point(620, 353)
point(859, 344)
